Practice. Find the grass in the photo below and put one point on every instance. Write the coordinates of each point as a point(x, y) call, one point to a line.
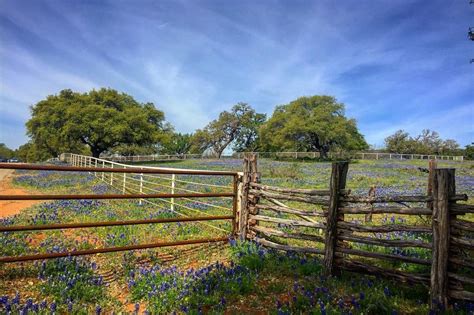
point(238, 279)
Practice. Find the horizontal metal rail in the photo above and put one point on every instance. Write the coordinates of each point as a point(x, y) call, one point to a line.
point(34, 167)
point(113, 196)
point(108, 223)
point(110, 249)
point(137, 170)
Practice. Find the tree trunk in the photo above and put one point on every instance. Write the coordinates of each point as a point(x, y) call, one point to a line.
point(324, 152)
point(96, 152)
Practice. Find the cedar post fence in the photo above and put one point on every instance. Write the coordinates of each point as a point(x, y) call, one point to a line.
point(338, 183)
point(248, 201)
point(252, 200)
point(443, 189)
point(451, 232)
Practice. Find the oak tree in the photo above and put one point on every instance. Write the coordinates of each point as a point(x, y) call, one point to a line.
point(100, 119)
point(315, 123)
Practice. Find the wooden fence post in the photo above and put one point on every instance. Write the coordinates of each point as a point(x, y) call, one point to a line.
point(253, 200)
point(250, 161)
point(338, 182)
point(368, 216)
point(443, 187)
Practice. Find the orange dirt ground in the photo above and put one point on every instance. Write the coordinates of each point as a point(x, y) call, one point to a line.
point(8, 207)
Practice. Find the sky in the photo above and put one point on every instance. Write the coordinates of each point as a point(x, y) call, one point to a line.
point(395, 64)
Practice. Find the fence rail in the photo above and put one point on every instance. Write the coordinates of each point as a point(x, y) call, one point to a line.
point(321, 222)
point(88, 164)
point(171, 181)
point(286, 155)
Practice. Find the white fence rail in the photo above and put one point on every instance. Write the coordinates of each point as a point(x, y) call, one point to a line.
point(150, 183)
point(355, 155)
point(289, 155)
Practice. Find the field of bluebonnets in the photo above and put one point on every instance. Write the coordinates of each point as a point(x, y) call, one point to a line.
point(241, 277)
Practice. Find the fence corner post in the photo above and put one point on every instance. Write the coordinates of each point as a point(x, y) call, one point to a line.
point(338, 182)
point(250, 160)
point(443, 188)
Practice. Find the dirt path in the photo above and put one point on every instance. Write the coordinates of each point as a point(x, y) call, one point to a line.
point(8, 207)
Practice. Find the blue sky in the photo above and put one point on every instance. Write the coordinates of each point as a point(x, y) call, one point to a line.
point(396, 64)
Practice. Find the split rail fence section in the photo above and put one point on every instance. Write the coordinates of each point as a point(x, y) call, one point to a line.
point(439, 247)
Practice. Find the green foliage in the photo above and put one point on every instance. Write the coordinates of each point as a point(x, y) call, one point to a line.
point(315, 123)
point(167, 290)
point(178, 143)
point(30, 152)
point(6, 152)
point(71, 279)
point(292, 171)
point(247, 139)
point(469, 151)
point(428, 142)
point(239, 125)
point(102, 120)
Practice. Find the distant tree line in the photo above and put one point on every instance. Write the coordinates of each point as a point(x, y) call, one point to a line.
point(428, 142)
point(106, 121)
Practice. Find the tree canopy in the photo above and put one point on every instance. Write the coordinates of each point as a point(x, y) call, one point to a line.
point(239, 125)
point(428, 142)
point(100, 119)
point(178, 143)
point(315, 123)
point(6, 152)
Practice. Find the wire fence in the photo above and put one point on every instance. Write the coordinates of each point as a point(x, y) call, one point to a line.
point(175, 181)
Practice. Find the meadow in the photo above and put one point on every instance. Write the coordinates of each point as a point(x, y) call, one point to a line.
point(241, 277)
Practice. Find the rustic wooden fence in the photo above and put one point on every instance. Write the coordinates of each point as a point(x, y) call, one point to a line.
point(338, 226)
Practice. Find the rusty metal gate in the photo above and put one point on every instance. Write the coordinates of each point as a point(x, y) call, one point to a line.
point(233, 195)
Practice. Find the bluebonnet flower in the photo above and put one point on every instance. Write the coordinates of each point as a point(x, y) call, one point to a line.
point(53, 307)
point(16, 299)
point(43, 304)
point(340, 303)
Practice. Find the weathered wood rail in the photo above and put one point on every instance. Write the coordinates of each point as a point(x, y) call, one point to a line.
point(326, 223)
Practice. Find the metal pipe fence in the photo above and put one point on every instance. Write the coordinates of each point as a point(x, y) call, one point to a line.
point(98, 168)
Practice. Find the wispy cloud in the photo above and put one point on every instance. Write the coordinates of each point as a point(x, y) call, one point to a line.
point(391, 63)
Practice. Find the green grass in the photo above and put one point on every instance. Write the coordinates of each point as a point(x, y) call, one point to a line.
point(249, 279)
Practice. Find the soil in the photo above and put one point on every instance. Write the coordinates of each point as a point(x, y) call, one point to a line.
point(9, 207)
